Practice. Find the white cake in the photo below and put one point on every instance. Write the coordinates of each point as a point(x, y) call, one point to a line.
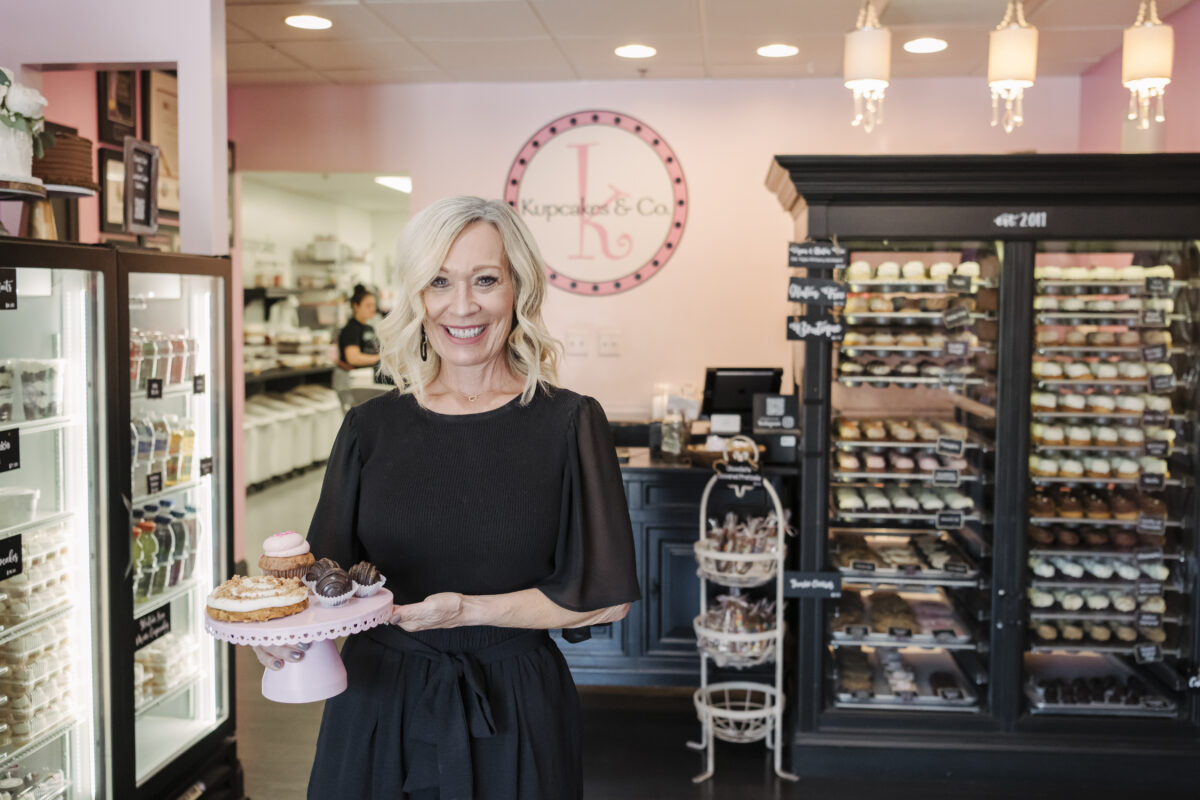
point(22, 103)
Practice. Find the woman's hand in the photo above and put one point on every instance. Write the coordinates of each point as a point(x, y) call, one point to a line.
point(276, 656)
point(443, 610)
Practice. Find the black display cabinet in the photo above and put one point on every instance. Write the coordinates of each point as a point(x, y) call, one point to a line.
point(1070, 407)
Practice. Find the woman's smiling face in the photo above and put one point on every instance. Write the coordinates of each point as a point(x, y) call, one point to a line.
point(469, 304)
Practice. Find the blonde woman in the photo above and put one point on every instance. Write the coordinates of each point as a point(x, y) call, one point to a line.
point(493, 503)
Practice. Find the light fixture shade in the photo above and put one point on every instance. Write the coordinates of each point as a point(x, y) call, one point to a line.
point(1013, 56)
point(868, 56)
point(1148, 54)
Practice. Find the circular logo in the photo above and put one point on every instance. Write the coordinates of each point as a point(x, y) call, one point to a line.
point(605, 198)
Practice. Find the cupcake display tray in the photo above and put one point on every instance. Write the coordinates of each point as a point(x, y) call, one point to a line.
point(935, 318)
point(916, 381)
point(1144, 650)
point(909, 351)
point(1129, 319)
point(1132, 288)
point(1101, 523)
point(1084, 480)
point(1084, 551)
point(964, 476)
point(955, 636)
point(922, 520)
point(1114, 385)
point(1101, 351)
point(1053, 673)
point(965, 573)
point(923, 664)
point(1090, 449)
point(1099, 417)
point(916, 286)
point(1143, 587)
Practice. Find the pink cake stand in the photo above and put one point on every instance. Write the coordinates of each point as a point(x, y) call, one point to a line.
point(320, 674)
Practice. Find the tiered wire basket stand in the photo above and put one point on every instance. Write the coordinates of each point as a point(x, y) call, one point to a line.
point(740, 711)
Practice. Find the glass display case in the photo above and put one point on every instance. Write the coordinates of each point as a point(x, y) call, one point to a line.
point(53, 500)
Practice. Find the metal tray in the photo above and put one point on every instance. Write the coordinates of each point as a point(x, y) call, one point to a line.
point(1088, 666)
point(926, 576)
point(923, 664)
point(959, 637)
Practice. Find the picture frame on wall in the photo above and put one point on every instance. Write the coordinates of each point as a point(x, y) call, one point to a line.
point(160, 123)
point(112, 190)
point(116, 101)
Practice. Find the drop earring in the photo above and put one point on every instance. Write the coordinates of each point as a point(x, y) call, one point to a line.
point(424, 345)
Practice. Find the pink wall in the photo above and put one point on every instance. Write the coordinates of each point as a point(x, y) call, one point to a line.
point(1104, 101)
point(721, 299)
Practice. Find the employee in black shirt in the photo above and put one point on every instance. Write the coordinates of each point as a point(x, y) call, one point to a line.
point(358, 346)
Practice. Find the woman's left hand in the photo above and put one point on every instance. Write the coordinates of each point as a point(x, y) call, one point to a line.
point(441, 610)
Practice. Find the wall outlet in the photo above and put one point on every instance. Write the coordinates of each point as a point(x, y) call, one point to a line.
point(576, 343)
point(609, 344)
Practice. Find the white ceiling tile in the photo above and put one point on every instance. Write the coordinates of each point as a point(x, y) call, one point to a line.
point(824, 51)
point(1067, 45)
point(490, 19)
point(391, 54)
point(235, 34)
point(1094, 13)
point(506, 74)
point(945, 12)
point(297, 76)
point(244, 56)
point(429, 75)
point(515, 54)
point(266, 22)
point(623, 18)
point(775, 19)
point(623, 72)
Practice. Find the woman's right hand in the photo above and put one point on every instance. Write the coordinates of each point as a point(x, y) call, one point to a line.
point(276, 656)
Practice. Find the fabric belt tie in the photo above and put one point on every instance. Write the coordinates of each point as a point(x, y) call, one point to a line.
point(453, 708)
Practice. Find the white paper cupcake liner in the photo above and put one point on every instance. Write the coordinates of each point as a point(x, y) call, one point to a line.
point(340, 600)
point(367, 591)
point(311, 585)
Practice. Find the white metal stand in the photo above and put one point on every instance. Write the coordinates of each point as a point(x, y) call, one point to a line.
point(740, 711)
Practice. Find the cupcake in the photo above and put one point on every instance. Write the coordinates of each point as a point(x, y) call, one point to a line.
point(1070, 507)
point(875, 463)
point(1099, 403)
point(847, 462)
point(1132, 273)
point(1104, 371)
point(1131, 370)
point(1053, 436)
point(334, 588)
point(1078, 436)
point(1048, 273)
point(285, 555)
point(941, 270)
point(1104, 436)
point(1123, 508)
point(1128, 339)
point(1044, 401)
point(1131, 437)
point(1049, 337)
point(1078, 371)
point(1076, 274)
point(1047, 370)
point(1131, 404)
point(914, 271)
point(968, 268)
point(1097, 468)
point(1070, 468)
point(367, 579)
point(859, 271)
point(880, 305)
point(1127, 469)
point(1101, 339)
point(887, 271)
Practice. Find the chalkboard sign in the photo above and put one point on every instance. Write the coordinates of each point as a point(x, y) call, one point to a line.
point(948, 446)
point(956, 567)
point(956, 348)
point(1154, 352)
point(906, 695)
point(824, 585)
point(206, 466)
point(862, 566)
point(10, 557)
point(1158, 286)
point(1156, 447)
point(956, 317)
point(1153, 318)
point(945, 635)
point(1148, 555)
point(821, 253)
point(949, 520)
point(900, 633)
point(1154, 526)
point(959, 283)
point(8, 289)
point(862, 694)
point(154, 483)
point(141, 186)
point(151, 627)
point(816, 291)
point(946, 477)
point(1147, 620)
point(951, 694)
point(198, 384)
point(799, 329)
point(10, 450)
point(856, 631)
point(154, 388)
point(1147, 654)
point(1162, 384)
point(1154, 419)
point(1152, 481)
point(1149, 588)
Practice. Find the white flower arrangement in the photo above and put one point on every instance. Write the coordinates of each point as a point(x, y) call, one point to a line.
point(21, 109)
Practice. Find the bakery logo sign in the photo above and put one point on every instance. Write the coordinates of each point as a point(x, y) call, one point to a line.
point(605, 198)
point(10, 557)
point(151, 627)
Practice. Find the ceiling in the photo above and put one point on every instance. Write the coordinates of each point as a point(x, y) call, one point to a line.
point(398, 41)
point(352, 189)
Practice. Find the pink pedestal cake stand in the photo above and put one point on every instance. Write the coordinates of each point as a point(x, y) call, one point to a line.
point(320, 674)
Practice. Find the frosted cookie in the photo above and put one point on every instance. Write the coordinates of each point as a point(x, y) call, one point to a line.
point(257, 599)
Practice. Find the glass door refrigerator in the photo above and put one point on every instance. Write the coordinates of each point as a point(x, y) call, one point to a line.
point(173, 685)
point(56, 468)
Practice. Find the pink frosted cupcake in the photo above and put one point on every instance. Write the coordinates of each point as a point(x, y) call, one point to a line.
point(285, 555)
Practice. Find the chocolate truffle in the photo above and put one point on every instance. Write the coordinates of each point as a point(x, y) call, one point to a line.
point(365, 574)
point(334, 583)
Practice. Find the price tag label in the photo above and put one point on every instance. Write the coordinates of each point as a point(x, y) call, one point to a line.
point(1156, 703)
point(960, 283)
point(1154, 318)
point(945, 635)
point(956, 348)
point(900, 633)
point(149, 628)
point(1158, 286)
point(10, 450)
point(11, 555)
point(154, 483)
point(949, 520)
point(1154, 418)
point(951, 694)
point(800, 329)
point(1155, 526)
point(820, 253)
point(862, 694)
point(862, 566)
point(1148, 620)
point(856, 631)
point(1149, 589)
point(1162, 384)
point(947, 446)
point(816, 291)
point(906, 695)
point(1148, 554)
point(956, 317)
point(956, 567)
point(1154, 352)
point(198, 384)
point(8, 289)
point(1147, 654)
point(1156, 447)
point(822, 585)
point(946, 477)
point(206, 466)
point(1151, 481)
point(154, 388)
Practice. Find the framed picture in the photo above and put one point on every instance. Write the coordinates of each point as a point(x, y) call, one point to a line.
point(112, 190)
point(115, 100)
point(160, 123)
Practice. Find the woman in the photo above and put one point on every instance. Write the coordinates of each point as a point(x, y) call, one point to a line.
point(493, 503)
point(358, 346)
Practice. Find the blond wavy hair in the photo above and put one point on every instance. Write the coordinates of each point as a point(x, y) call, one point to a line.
point(532, 352)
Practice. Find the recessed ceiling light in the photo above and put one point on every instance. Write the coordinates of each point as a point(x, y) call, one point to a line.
point(926, 44)
point(309, 22)
point(778, 50)
point(401, 183)
point(635, 51)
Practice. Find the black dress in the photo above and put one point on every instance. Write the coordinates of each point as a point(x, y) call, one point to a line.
point(514, 498)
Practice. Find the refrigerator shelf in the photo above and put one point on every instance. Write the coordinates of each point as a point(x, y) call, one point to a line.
point(39, 425)
point(12, 632)
point(917, 286)
point(168, 492)
point(170, 595)
point(37, 742)
point(175, 390)
point(1100, 523)
point(40, 520)
point(1039, 480)
point(1123, 649)
point(1099, 417)
point(184, 686)
point(901, 478)
point(1093, 449)
point(1099, 616)
point(885, 517)
point(883, 351)
point(904, 381)
point(1082, 551)
point(1101, 351)
point(1130, 287)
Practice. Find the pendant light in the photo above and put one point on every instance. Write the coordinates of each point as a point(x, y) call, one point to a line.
point(867, 65)
point(1012, 65)
point(1146, 59)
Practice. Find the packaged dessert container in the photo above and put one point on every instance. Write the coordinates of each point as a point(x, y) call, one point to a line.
point(7, 393)
point(27, 648)
point(41, 388)
point(17, 505)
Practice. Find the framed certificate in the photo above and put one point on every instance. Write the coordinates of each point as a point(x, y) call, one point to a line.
point(115, 92)
point(112, 190)
point(160, 118)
